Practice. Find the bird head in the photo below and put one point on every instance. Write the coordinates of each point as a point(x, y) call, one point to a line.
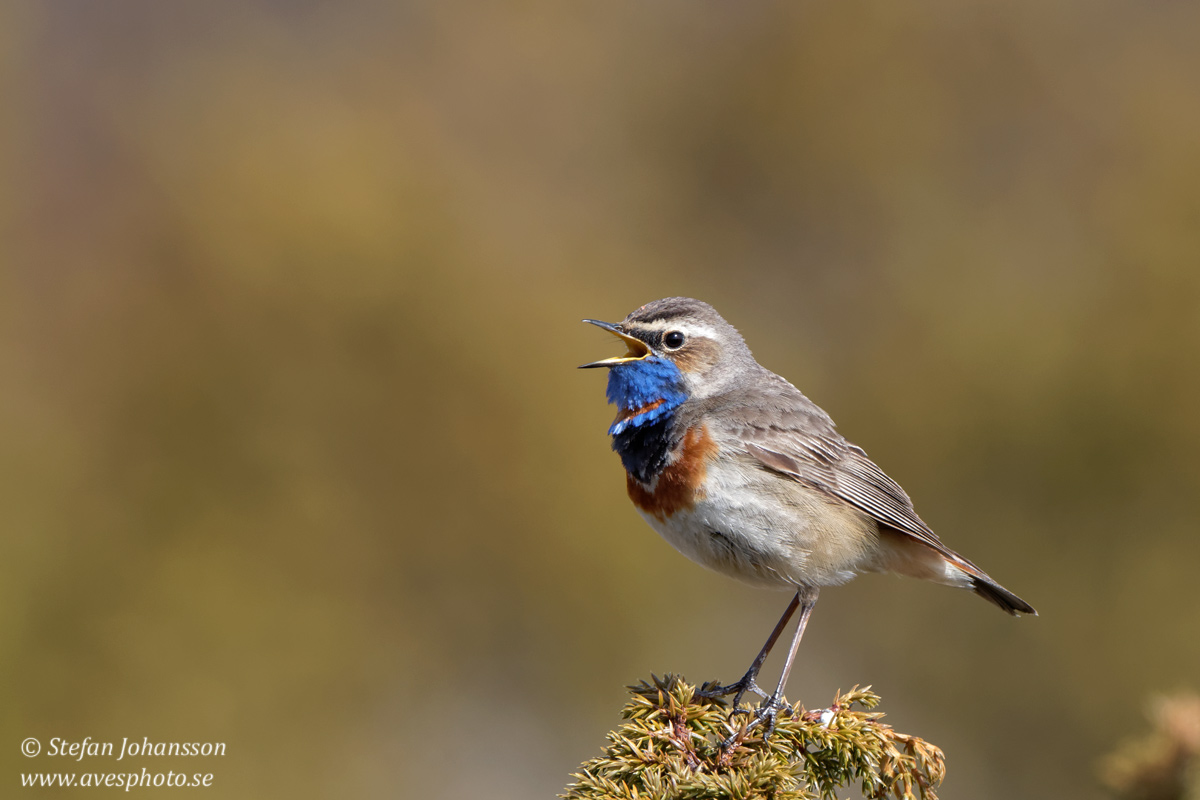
point(677, 349)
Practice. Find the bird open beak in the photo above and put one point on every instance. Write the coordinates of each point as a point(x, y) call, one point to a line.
point(637, 348)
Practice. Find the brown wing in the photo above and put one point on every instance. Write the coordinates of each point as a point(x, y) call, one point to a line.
point(844, 471)
point(789, 434)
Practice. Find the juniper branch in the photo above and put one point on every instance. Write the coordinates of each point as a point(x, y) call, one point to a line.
point(671, 747)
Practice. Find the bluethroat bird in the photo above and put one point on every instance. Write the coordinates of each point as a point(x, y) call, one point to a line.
point(745, 475)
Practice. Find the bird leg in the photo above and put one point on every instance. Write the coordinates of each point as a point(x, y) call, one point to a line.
point(769, 710)
point(746, 683)
point(805, 599)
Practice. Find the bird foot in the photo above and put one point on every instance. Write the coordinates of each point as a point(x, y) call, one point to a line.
point(767, 713)
point(713, 690)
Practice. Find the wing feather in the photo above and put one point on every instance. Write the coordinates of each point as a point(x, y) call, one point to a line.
point(851, 477)
point(797, 439)
point(789, 435)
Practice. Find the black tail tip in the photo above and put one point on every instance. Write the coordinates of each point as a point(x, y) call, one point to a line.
point(1002, 597)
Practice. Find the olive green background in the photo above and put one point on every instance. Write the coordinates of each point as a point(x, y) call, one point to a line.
point(294, 456)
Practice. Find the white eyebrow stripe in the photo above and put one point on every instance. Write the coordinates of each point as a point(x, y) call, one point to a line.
point(698, 330)
point(687, 328)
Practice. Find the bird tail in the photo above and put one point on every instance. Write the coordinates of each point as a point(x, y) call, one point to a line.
point(989, 590)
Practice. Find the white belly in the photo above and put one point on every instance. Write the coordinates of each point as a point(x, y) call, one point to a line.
point(768, 530)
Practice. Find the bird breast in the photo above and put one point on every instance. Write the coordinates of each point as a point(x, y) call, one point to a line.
point(732, 516)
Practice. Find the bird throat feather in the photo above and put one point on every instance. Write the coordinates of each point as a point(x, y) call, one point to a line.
point(646, 393)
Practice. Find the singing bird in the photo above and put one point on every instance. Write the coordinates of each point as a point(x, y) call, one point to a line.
point(745, 475)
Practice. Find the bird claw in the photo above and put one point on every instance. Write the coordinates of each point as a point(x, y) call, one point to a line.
point(738, 690)
point(767, 713)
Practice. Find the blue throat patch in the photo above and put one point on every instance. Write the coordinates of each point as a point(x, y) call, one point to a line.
point(653, 387)
point(653, 384)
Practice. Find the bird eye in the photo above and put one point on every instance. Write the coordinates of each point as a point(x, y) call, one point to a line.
point(673, 340)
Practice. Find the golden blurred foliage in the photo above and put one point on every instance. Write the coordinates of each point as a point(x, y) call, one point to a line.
point(294, 455)
point(1164, 765)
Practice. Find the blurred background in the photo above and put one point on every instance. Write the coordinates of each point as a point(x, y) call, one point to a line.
point(294, 454)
